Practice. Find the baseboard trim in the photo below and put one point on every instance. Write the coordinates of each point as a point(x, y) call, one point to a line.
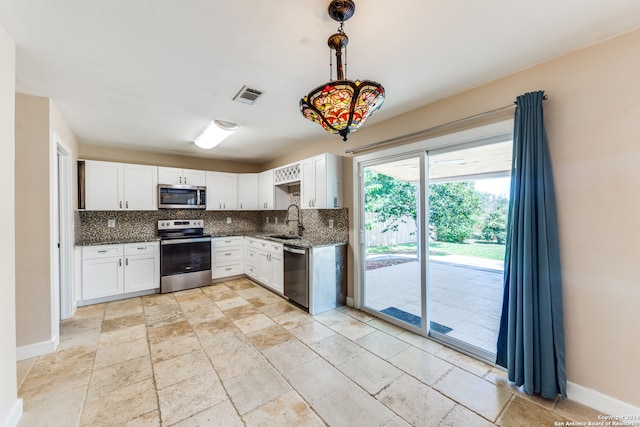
point(600, 401)
point(35, 350)
point(14, 415)
point(350, 301)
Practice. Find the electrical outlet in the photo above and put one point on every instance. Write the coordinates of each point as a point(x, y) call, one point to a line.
point(276, 219)
point(267, 220)
point(331, 223)
point(228, 220)
point(111, 223)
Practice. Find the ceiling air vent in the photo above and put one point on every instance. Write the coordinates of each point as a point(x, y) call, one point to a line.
point(248, 95)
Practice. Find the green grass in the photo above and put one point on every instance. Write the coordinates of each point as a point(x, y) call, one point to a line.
point(471, 249)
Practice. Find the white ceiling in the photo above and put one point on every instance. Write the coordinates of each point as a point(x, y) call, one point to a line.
point(150, 74)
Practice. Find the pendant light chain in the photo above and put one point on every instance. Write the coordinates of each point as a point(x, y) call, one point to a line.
point(341, 106)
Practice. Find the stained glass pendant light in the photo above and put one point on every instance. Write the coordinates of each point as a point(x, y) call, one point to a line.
point(342, 106)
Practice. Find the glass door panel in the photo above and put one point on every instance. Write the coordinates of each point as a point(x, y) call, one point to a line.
point(468, 205)
point(393, 284)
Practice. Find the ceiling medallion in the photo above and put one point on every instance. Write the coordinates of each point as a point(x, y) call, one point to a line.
point(342, 106)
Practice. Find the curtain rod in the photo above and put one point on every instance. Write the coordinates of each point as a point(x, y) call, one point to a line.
point(432, 129)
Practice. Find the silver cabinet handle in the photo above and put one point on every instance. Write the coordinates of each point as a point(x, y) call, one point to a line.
point(240, 205)
point(227, 241)
point(120, 204)
point(227, 254)
point(120, 262)
point(228, 269)
point(102, 252)
point(126, 261)
point(126, 204)
point(219, 205)
point(142, 249)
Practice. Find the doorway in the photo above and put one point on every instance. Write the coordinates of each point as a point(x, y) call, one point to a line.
point(62, 242)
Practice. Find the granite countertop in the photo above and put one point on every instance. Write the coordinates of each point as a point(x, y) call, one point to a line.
point(303, 242)
point(117, 241)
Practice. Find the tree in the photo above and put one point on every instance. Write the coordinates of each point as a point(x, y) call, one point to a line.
point(494, 228)
point(391, 199)
point(454, 209)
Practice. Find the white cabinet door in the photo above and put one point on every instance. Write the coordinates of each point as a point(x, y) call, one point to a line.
point(193, 177)
point(266, 190)
point(277, 272)
point(248, 191)
point(180, 176)
point(169, 175)
point(307, 184)
point(104, 186)
point(142, 266)
point(264, 267)
point(102, 277)
point(222, 188)
point(320, 182)
point(140, 188)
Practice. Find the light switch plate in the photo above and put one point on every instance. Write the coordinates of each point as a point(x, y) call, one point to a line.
point(111, 223)
point(228, 220)
point(331, 223)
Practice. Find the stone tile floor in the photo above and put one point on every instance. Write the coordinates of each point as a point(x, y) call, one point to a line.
point(236, 354)
point(465, 298)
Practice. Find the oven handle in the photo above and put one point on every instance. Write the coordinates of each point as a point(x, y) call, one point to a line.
point(189, 240)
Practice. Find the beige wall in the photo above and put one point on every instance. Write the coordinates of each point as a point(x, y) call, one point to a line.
point(33, 315)
point(36, 121)
point(594, 133)
point(110, 154)
point(9, 405)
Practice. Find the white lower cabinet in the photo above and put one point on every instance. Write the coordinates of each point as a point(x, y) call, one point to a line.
point(227, 256)
point(114, 270)
point(264, 263)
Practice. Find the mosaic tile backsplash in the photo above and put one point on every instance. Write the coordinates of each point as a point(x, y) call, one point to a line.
point(91, 226)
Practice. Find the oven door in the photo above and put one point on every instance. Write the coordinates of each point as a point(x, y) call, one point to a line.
point(181, 256)
point(181, 197)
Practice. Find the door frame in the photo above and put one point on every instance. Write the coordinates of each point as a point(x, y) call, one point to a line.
point(61, 232)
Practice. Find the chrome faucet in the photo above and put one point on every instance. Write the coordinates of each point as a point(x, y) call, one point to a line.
point(299, 219)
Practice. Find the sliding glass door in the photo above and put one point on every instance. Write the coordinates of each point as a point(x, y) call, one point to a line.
point(468, 202)
point(392, 261)
point(433, 225)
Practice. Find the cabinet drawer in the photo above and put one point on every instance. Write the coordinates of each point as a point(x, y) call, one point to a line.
point(141, 248)
point(226, 254)
point(275, 248)
point(221, 242)
point(251, 271)
point(101, 251)
point(251, 258)
point(252, 242)
point(225, 270)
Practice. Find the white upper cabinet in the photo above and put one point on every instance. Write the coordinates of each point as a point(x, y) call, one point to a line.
point(266, 190)
point(140, 187)
point(181, 176)
point(247, 191)
point(115, 186)
point(321, 182)
point(222, 191)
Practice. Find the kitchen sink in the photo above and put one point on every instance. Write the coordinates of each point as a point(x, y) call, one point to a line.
point(285, 236)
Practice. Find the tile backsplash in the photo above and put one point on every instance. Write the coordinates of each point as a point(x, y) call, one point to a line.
point(92, 226)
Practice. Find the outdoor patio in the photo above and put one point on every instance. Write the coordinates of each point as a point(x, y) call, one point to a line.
point(466, 295)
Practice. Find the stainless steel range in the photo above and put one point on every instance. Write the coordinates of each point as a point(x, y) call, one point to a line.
point(185, 255)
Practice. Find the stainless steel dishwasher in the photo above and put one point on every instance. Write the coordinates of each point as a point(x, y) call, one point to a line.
point(296, 274)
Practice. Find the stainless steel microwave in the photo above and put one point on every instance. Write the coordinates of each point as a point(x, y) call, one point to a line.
point(182, 197)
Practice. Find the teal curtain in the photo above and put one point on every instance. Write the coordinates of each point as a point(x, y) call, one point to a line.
point(531, 337)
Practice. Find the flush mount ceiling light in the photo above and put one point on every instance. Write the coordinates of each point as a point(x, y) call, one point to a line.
point(215, 132)
point(342, 106)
